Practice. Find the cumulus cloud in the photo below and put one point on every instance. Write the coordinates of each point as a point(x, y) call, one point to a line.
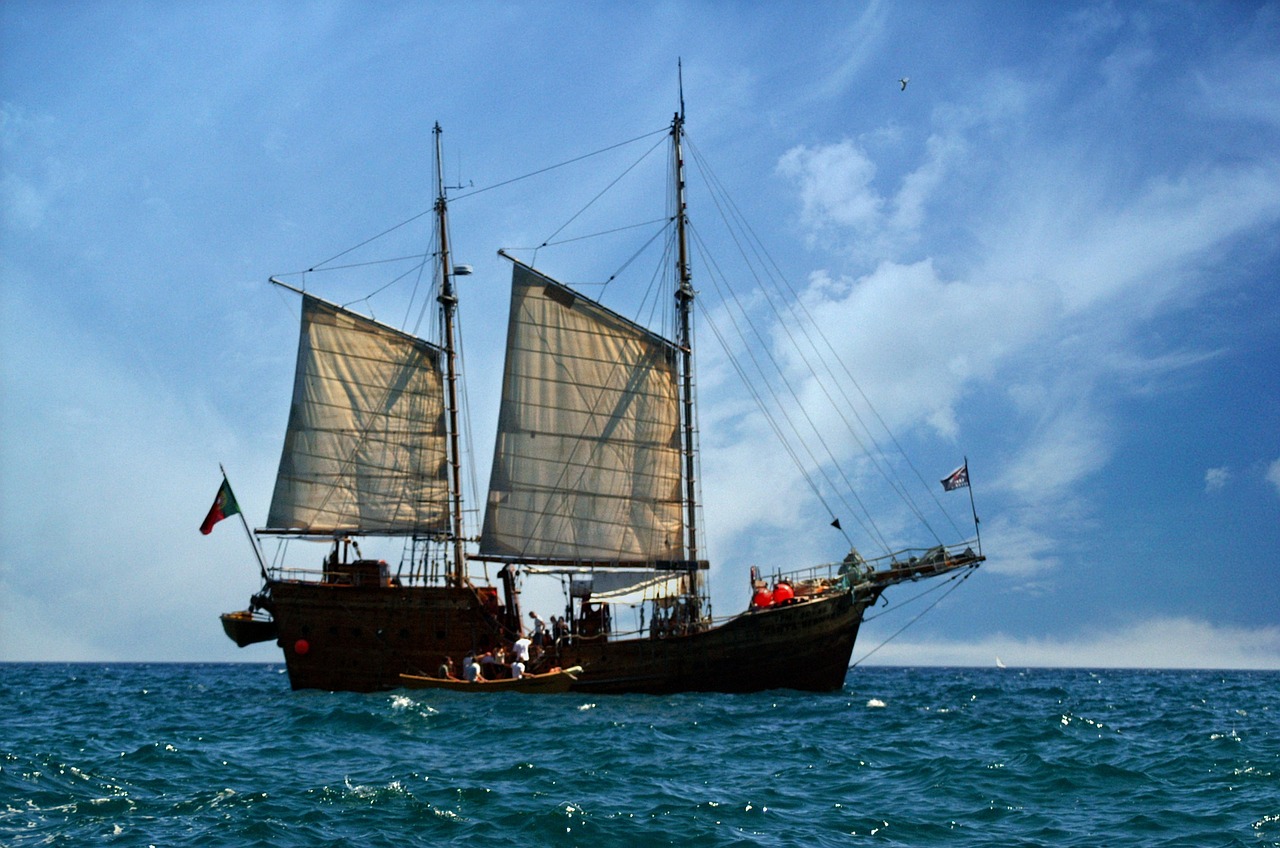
point(840, 195)
point(835, 188)
point(917, 339)
point(1216, 478)
point(1273, 474)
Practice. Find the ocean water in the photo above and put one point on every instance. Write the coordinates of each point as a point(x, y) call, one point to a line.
point(214, 755)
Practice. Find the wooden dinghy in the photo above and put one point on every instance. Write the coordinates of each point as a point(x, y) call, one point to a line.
point(246, 628)
point(558, 680)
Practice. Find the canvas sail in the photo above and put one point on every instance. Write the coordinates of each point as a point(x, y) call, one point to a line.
point(618, 586)
point(587, 460)
point(629, 588)
point(365, 447)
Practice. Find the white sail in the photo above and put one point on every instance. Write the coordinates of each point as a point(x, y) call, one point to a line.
point(629, 588)
point(619, 586)
point(365, 448)
point(587, 459)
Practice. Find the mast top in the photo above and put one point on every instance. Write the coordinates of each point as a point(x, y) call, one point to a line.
point(680, 79)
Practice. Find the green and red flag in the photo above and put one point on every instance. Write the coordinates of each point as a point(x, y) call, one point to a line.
point(223, 505)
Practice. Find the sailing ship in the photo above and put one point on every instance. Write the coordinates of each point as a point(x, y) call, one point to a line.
point(593, 484)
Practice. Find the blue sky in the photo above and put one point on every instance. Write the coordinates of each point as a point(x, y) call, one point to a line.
point(1055, 252)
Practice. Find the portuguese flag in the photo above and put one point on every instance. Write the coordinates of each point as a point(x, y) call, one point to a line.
point(223, 505)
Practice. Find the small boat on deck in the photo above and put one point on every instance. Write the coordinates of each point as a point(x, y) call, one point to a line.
point(557, 680)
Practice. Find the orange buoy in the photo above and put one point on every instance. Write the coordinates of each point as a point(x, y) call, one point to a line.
point(782, 593)
point(761, 599)
point(301, 647)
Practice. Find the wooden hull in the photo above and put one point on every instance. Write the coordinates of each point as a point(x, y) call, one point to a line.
point(553, 681)
point(806, 645)
point(363, 637)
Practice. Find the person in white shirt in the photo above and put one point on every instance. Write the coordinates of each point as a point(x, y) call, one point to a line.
point(470, 669)
point(521, 649)
point(517, 670)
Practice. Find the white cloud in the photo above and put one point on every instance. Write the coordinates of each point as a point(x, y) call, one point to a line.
point(1216, 478)
point(1024, 546)
point(918, 187)
point(1153, 643)
point(1273, 474)
point(1066, 446)
point(835, 185)
point(844, 208)
point(917, 340)
point(1126, 257)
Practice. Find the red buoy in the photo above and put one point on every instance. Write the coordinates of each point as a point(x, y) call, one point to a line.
point(782, 593)
point(761, 599)
point(301, 647)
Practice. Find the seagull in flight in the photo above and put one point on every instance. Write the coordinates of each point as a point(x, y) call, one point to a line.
point(904, 82)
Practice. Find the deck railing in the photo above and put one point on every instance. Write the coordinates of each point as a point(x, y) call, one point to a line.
point(898, 564)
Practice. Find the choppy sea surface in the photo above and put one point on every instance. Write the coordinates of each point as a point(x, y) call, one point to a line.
point(227, 755)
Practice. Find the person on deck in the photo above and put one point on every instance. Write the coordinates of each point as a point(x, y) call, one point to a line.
point(517, 670)
point(445, 672)
point(539, 629)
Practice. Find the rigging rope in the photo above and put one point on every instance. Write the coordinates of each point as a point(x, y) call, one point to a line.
point(319, 266)
point(796, 305)
point(599, 195)
point(663, 131)
point(898, 606)
point(921, 614)
point(762, 343)
point(594, 235)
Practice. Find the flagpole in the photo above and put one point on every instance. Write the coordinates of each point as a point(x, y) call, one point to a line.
point(253, 543)
point(977, 528)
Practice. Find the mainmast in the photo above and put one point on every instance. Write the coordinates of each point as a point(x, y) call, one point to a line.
point(684, 310)
point(448, 304)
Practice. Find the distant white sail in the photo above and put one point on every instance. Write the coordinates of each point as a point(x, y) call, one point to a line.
point(587, 459)
point(365, 448)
